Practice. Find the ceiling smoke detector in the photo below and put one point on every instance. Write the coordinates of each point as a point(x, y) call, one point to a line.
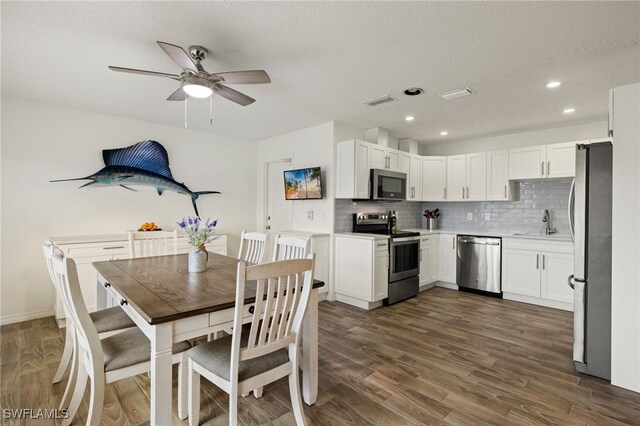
point(379, 100)
point(458, 93)
point(413, 91)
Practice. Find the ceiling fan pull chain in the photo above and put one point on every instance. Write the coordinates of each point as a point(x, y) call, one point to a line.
point(185, 111)
point(210, 110)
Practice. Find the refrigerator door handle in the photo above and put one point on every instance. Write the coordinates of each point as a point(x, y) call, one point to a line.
point(580, 212)
point(570, 282)
point(571, 207)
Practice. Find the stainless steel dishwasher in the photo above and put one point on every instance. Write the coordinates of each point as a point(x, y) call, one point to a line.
point(479, 264)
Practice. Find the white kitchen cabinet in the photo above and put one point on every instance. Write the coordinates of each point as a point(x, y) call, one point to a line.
point(411, 164)
point(456, 177)
point(467, 177)
point(447, 258)
point(561, 160)
point(498, 187)
point(353, 169)
point(536, 271)
point(361, 270)
point(542, 161)
point(434, 178)
point(476, 176)
point(384, 158)
point(428, 259)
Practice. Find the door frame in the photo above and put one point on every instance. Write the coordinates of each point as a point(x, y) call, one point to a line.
point(265, 187)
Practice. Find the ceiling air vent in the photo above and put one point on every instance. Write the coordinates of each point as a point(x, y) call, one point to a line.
point(379, 100)
point(458, 93)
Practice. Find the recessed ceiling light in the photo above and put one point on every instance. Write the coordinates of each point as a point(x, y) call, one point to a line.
point(409, 118)
point(553, 84)
point(569, 110)
point(413, 91)
point(444, 133)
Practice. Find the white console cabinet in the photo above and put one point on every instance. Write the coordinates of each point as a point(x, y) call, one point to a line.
point(95, 248)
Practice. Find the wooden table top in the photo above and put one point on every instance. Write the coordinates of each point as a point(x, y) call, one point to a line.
point(161, 289)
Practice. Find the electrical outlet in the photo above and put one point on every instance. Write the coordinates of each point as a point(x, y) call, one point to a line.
point(487, 217)
point(469, 216)
point(310, 215)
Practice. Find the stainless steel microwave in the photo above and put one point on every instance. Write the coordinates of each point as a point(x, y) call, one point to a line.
point(388, 186)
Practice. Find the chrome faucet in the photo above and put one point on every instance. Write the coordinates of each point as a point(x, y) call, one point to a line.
point(546, 218)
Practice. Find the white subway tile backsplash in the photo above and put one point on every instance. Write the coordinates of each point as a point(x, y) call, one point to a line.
point(522, 215)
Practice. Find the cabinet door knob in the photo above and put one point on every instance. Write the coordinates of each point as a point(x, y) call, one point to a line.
point(123, 302)
point(107, 284)
point(252, 309)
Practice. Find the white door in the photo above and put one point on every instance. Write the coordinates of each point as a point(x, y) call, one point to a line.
point(381, 275)
point(527, 162)
point(561, 160)
point(434, 178)
point(279, 212)
point(447, 258)
point(556, 267)
point(425, 273)
point(476, 176)
point(456, 177)
point(378, 159)
point(522, 272)
point(404, 166)
point(393, 157)
point(498, 175)
point(433, 259)
point(415, 178)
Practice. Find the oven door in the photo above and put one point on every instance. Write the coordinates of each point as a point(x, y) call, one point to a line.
point(388, 185)
point(404, 258)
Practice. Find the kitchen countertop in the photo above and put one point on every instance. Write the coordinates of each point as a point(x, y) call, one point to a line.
point(364, 236)
point(559, 238)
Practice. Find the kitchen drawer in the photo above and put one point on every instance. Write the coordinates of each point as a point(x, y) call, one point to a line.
point(381, 245)
point(226, 315)
point(115, 248)
point(538, 245)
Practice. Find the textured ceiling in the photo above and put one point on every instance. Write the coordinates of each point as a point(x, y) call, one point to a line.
point(326, 58)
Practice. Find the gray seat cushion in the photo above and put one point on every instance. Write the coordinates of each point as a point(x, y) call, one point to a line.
point(130, 347)
point(215, 356)
point(111, 319)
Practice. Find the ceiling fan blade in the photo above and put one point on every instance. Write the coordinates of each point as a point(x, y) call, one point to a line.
point(178, 55)
point(233, 95)
point(178, 95)
point(144, 72)
point(244, 77)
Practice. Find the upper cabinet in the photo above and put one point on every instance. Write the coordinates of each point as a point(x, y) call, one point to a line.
point(411, 164)
point(384, 158)
point(353, 169)
point(434, 178)
point(498, 188)
point(467, 177)
point(542, 161)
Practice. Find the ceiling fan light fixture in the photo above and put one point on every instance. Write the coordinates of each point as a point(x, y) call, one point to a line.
point(197, 87)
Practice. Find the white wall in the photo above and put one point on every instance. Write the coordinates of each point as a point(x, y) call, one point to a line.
point(578, 132)
point(625, 297)
point(43, 142)
point(310, 147)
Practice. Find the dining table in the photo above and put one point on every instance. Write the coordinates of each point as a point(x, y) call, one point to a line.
point(170, 304)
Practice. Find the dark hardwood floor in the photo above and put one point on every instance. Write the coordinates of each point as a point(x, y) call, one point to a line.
point(443, 357)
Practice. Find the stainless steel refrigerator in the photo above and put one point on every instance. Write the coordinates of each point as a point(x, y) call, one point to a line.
point(590, 223)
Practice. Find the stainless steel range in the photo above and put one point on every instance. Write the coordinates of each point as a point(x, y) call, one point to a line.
point(404, 253)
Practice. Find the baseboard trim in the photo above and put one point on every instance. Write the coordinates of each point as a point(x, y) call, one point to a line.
point(27, 316)
point(443, 284)
point(426, 287)
point(538, 301)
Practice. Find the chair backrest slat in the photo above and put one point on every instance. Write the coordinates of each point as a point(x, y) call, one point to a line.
point(252, 247)
point(287, 248)
point(282, 295)
point(152, 243)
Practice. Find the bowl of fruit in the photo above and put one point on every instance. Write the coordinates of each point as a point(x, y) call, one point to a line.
point(149, 226)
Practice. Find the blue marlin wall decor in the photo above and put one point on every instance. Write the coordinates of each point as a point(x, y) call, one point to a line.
point(145, 163)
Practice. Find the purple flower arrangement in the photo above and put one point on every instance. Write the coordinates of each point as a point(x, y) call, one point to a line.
point(199, 232)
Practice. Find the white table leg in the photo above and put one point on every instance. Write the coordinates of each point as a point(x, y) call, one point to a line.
point(161, 342)
point(310, 351)
point(101, 294)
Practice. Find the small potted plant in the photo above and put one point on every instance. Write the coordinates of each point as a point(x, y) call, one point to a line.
point(199, 234)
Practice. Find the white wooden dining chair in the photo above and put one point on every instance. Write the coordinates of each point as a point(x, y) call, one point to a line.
point(104, 361)
point(287, 248)
point(107, 322)
point(268, 350)
point(152, 243)
point(252, 247)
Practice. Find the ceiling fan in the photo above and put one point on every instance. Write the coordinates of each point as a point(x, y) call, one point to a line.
point(196, 82)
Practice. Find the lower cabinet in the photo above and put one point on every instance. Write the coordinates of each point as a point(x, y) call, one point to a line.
point(428, 260)
point(97, 248)
point(447, 258)
point(361, 270)
point(536, 272)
